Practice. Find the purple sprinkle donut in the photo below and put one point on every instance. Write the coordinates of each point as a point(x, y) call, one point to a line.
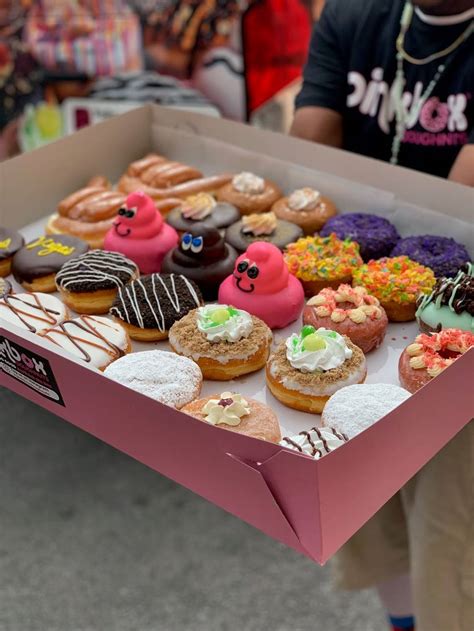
point(442, 254)
point(375, 235)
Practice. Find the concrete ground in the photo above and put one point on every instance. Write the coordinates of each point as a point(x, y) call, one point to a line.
point(91, 540)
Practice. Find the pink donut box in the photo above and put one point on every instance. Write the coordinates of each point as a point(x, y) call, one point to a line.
point(312, 506)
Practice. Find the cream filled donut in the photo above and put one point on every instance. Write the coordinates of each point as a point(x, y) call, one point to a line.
point(311, 366)
point(306, 208)
point(224, 341)
point(250, 193)
point(32, 311)
point(349, 311)
point(96, 340)
point(163, 376)
point(232, 412)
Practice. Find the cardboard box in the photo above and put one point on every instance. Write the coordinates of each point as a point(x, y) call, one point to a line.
point(311, 506)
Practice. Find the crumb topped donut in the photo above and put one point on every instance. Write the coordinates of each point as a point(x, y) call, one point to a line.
point(350, 311)
point(321, 262)
point(160, 375)
point(231, 411)
point(309, 367)
point(396, 282)
point(250, 193)
point(225, 342)
point(429, 355)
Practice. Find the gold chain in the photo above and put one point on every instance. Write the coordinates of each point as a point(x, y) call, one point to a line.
point(442, 53)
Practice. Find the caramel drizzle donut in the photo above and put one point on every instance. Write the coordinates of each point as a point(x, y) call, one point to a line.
point(128, 184)
point(328, 304)
point(27, 311)
point(426, 352)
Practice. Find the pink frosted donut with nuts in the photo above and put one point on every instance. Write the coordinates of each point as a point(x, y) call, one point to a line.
point(350, 311)
point(430, 354)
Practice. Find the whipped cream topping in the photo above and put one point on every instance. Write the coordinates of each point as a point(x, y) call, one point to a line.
point(304, 199)
point(222, 323)
point(317, 442)
point(228, 410)
point(198, 207)
point(259, 224)
point(248, 183)
point(316, 350)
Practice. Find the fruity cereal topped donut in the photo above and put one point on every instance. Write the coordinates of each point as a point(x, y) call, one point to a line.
point(429, 355)
point(322, 261)
point(350, 311)
point(396, 282)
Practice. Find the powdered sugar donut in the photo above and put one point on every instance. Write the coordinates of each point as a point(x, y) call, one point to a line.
point(349, 311)
point(165, 377)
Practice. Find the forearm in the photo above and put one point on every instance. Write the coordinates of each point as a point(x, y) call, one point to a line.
point(463, 168)
point(318, 124)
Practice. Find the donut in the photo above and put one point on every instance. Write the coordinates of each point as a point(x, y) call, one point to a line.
point(202, 207)
point(321, 262)
point(430, 354)
point(148, 306)
point(10, 243)
point(203, 257)
point(353, 409)
point(262, 227)
point(212, 184)
point(36, 264)
point(224, 341)
point(306, 208)
point(140, 233)
point(33, 311)
point(160, 375)
point(250, 193)
point(311, 366)
point(5, 287)
point(88, 213)
point(349, 311)
point(316, 442)
point(396, 282)
point(159, 172)
point(89, 283)
point(262, 285)
point(231, 411)
point(450, 305)
point(95, 340)
point(375, 235)
point(441, 254)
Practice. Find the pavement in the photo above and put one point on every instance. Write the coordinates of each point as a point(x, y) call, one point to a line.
point(91, 540)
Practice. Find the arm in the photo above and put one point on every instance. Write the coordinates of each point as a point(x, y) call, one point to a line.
point(462, 170)
point(322, 100)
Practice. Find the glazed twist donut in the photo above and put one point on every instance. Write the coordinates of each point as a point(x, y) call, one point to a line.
point(159, 172)
point(129, 184)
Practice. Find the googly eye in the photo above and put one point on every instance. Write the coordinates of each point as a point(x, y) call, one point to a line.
point(197, 245)
point(130, 213)
point(242, 266)
point(253, 272)
point(122, 211)
point(186, 241)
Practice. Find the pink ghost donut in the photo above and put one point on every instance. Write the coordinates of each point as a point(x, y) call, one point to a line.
point(262, 285)
point(140, 233)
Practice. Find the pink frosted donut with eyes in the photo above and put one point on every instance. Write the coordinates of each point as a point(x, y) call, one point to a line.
point(262, 285)
point(140, 233)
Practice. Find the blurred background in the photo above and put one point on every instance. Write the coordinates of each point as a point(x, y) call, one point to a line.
point(65, 64)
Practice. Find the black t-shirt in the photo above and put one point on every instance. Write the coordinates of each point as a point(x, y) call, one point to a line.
point(351, 68)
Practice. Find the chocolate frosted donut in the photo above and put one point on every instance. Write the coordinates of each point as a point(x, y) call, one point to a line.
point(149, 305)
point(442, 254)
point(10, 243)
point(375, 235)
point(37, 263)
point(202, 208)
point(203, 257)
point(277, 231)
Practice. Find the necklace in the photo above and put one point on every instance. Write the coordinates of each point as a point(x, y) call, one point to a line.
point(403, 118)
